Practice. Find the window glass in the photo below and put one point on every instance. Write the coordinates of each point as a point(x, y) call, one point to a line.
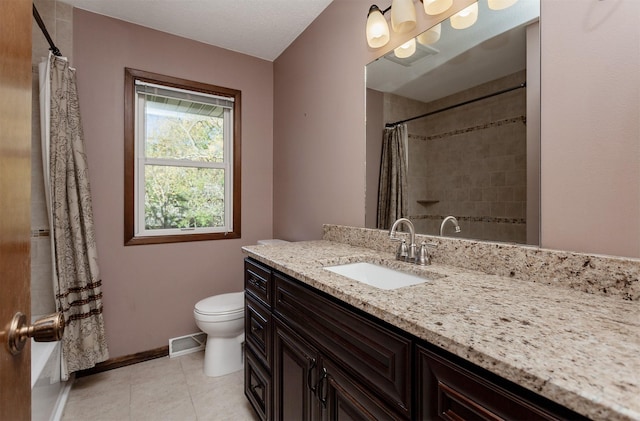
point(183, 197)
point(183, 130)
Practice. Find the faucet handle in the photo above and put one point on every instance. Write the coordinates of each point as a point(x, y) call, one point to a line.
point(403, 251)
point(423, 257)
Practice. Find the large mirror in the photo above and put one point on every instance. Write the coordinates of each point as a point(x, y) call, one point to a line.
point(470, 101)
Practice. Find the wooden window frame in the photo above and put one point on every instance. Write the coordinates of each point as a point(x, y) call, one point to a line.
point(130, 76)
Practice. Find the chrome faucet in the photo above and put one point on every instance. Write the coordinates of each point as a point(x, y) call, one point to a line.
point(404, 252)
point(410, 253)
point(453, 220)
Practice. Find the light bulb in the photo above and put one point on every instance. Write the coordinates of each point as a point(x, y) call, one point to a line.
point(435, 7)
point(377, 28)
point(465, 18)
point(430, 36)
point(403, 16)
point(406, 50)
point(500, 4)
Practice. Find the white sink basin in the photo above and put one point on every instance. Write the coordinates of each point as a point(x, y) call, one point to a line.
point(377, 276)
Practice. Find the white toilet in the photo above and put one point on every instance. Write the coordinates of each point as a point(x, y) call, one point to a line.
point(221, 317)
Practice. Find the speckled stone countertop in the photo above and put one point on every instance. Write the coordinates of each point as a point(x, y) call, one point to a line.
point(578, 349)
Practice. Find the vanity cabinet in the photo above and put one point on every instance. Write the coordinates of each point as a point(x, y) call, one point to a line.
point(258, 350)
point(310, 356)
point(308, 386)
point(355, 368)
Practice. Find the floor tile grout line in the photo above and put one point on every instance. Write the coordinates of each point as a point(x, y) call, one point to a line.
point(211, 407)
point(184, 376)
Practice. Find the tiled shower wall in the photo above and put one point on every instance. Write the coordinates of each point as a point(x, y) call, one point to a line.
point(57, 17)
point(469, 162)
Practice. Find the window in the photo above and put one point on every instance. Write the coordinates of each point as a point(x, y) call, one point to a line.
point(182, 160)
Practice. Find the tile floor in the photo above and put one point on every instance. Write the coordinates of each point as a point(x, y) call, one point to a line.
point(161, 389)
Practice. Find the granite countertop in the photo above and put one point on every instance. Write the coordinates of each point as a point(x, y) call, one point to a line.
point(578, 349)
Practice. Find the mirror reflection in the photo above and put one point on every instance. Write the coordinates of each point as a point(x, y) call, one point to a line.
point(452, 121)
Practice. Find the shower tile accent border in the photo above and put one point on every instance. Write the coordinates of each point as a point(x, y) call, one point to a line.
point(493, 219)
point(611, 276)
point(485, 126)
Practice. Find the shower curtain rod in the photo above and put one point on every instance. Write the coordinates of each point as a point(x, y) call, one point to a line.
point(504, 91)
point(43, 28)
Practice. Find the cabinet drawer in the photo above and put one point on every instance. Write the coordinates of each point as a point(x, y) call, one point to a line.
point(372, 354)
point(257, 385)
point(257, 280)
point(451, 392)
point(257, 328)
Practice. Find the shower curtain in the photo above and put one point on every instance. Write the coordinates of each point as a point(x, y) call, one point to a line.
point(77, 283)
point(392, 189)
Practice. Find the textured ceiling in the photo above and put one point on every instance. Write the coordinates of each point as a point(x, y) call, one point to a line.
point(259, 28)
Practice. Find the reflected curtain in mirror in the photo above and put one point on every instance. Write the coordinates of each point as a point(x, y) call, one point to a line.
point(392, 190)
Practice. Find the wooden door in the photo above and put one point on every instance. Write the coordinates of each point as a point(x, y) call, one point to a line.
point(15, 198)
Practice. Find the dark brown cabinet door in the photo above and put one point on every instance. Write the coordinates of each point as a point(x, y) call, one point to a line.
point(295, 376)
point(379, 358)
point(343, 399)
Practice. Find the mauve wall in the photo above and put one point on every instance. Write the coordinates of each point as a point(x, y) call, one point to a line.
point(150, 290)
point(319, 141)
point(590, 186)
point(591, 126)
point(375, 126)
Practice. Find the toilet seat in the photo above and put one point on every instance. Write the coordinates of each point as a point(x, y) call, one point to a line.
point(220, 307)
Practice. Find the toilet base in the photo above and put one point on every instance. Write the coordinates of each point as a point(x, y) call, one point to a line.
point(223, 356)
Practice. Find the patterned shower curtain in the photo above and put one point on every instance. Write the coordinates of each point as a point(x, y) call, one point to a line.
point(77, 283)
point(392, 189)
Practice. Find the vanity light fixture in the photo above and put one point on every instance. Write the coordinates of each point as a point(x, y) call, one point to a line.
point(465, 18)
point(406, 50)
point(403, 19)
point(403, 16)
point(500, 4)
point(377, 28)
point(435, 7)
point(430, 36)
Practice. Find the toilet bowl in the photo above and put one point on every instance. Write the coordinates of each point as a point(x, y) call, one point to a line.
point(221, 317)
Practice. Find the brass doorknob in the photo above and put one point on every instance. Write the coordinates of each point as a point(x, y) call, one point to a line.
point(46, 329)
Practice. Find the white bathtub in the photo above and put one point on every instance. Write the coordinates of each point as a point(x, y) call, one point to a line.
point(48, 393)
